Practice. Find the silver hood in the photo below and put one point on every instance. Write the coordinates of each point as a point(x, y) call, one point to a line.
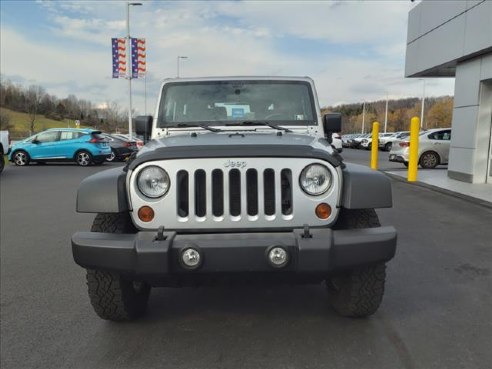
point(235, 138)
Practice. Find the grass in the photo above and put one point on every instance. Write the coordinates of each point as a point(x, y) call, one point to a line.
point(20, 122)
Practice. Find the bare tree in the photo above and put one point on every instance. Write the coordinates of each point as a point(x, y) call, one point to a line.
point(33, 98)
point(5, 121)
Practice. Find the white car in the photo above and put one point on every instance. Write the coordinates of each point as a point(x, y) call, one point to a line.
point(385, 142)
point(336, 142)
point(433, 148)
point(358, 140)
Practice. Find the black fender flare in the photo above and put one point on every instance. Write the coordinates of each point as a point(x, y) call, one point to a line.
point(103, 192)
point(364, 188)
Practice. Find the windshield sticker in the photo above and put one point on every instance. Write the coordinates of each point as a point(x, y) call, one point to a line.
point(299, 117)
point(237, 112)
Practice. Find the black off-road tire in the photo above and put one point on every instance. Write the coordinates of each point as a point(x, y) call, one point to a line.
point(357, 218)
point(113, 296)
point(357, 293)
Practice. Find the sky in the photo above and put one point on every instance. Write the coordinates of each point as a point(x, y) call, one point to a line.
point(353, 50)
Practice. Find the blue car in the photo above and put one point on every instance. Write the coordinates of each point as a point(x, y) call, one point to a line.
point(84, 146)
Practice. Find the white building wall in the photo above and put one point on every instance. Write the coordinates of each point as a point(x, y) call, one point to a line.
point(454, 38)
point(471, 121)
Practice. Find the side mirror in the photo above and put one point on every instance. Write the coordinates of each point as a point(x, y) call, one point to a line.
point(143, 126)
point(332, 122)
point(35, 141)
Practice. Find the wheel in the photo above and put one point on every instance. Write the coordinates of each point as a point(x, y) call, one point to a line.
point(113, 296)
point(2, 162)
point(357, 293)
point(112, 157)
point(21, 158)
point(387, 147)
point(429, 160)
point(83, 158)
point(405, 164)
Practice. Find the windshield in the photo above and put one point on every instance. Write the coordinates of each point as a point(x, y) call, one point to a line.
point(229, 102)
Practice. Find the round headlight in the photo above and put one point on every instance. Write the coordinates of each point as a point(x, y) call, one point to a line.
point(153, 182)
point(315, 179)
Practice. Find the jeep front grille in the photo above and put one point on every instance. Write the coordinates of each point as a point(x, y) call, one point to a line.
point(234, 193)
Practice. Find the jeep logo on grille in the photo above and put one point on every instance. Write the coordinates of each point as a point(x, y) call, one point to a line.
point(235, 164)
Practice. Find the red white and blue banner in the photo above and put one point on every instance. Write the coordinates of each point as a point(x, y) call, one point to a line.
point(119, 57)
point(139, 63)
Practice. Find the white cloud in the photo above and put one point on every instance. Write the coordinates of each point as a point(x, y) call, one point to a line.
point(363, 59)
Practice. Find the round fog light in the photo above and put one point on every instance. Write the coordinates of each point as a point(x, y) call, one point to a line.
point(191, 258)
point(278, 257)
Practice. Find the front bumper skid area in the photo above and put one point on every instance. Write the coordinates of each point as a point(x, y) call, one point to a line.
point(142, 255)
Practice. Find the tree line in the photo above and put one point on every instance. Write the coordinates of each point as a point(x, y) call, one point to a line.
point(35, 101)
point(438, 112)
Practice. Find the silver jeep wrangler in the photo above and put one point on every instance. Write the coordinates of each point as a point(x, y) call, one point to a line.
point(238, 182)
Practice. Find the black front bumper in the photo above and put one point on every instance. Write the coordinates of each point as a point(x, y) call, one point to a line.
point(142, 255)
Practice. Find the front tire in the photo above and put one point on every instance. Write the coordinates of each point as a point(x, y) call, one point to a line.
point(113, 296)
point(387, 147)
point(357, 293)
point(21, 158)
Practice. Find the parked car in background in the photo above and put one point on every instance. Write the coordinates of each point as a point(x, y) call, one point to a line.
point(433, 148)
point(4, 147)
point(386, 143)
point(83, 146)
point(357, 141)
point(121, 147)
point(337, 142)
point(385, 140)
point(138, 140)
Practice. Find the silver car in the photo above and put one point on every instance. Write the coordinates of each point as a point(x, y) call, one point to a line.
point(433, 148)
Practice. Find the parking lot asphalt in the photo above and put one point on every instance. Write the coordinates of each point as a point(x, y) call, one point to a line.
point(435, 313)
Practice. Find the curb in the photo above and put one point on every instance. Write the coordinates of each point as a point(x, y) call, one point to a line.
point(454, 194)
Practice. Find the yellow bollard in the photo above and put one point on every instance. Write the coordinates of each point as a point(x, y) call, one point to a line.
point(374, 146)
point(414, 149)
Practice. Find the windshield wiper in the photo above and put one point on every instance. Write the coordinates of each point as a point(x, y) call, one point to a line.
point(203, 126)
point(259, 123)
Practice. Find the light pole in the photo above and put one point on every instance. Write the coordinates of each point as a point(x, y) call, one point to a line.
point(386, 114)
point(177, 64)
point(129, 65)
point(363, 115)
point(423, 105)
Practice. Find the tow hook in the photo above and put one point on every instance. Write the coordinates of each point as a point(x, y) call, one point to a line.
point(306, 233)
point(160, 234)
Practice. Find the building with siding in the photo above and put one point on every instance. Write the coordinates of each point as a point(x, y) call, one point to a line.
point(454, 39)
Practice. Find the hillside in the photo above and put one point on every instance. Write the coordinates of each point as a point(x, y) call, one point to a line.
point(19, 123)
point(438, 113)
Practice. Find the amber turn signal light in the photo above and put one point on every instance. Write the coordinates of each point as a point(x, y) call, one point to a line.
point(145, 214)
point(323, 211)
